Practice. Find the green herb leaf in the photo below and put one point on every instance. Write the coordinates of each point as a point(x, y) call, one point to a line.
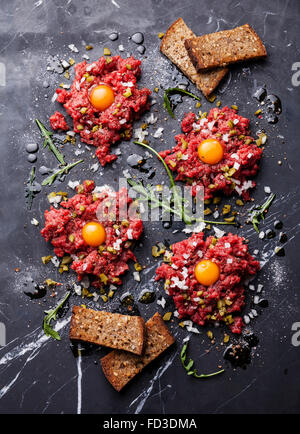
point(160, 158)
point(177, 198)
point(50, 179)
point(167, 104)
point(32, 188)
point(258, 213)
point(29, 192)
point(147, 194)
point(51, 315)
point(48, 141)
point(190, 364)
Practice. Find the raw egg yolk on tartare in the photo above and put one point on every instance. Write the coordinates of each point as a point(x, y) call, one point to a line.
point(207, 272)
point(102, 97)
point(210, 151)
point(94, 234)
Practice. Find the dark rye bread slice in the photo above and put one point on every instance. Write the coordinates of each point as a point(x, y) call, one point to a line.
point(111, 330)
point(172, 46)
point(224, 48)
point(120, 367)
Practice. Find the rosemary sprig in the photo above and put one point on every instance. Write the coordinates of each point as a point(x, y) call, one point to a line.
point(258, 213)
point(188, 367)
point(51, 178)
point(51, 315)
point(48, 141)
point(177, 199)
point(167, 103)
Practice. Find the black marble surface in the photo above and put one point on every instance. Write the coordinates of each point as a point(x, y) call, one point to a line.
point(40, 375)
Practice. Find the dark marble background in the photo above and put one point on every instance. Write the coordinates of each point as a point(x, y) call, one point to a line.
point(39, 375)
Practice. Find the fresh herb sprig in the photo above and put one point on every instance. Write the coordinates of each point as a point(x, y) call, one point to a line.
point(147, 194)
point(188, 367)
point(177, 198)
point(48, 141)
point(167, 103)
point(29, 192)
point(178, 201)
point(51, 178)
point(51, 316)
point(259, 211)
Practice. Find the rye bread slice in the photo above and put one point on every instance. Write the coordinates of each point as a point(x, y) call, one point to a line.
point(172, 46)
point(111, 330)
point(120, 367)
point(224, 48)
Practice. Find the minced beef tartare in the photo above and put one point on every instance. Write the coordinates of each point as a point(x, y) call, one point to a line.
point(58, 122)
point(63, 227)
point(220, 301)
point(103, 128)
point(240, 153)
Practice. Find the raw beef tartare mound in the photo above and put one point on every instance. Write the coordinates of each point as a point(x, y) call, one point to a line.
point(105, 124)
point(220, 296)
point(58, 122)
point(216, 152)
point(70, 232)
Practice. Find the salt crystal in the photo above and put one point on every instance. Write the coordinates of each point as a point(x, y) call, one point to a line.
point(136, 276)
point(158, 133)
point(259, 287)
point(162, 303)
point(34, 222)
point(218, 232)
point(73, 48)
point(246, 319)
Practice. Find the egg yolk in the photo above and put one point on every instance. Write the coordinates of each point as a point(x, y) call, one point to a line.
point(210, 151)
point(207, 272)
point(94, 234)
point(102, 96)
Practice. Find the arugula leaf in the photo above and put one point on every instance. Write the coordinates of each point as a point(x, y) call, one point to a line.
point(167, 103)
point(258, 213)
point(178, 200)
point(48, 141)
point(190, 364)
point(51, 315)
point(148, 194)
point(50, 179)
point(160, 158)
point(30, 192)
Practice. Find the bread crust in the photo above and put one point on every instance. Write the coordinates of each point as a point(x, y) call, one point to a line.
point(224, 48)
point(119, 367)
point(172, 46)
point(112, 330)
point(169, 32)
